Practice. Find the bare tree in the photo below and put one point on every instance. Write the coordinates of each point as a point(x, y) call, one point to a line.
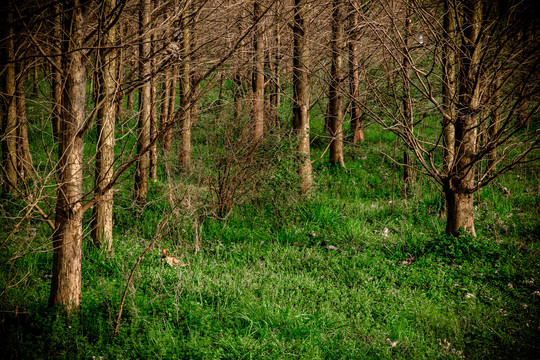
point(102, 226)
point(66, 286)
point(335, 94)
point(257, 107)
point(301, 93)
point(145, 103)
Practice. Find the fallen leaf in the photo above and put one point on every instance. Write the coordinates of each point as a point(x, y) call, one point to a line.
point(171, 260)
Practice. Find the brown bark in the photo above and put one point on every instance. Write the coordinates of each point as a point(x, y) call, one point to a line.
point(354, 79)
point(9, 136)
point(257, 107)
point(185, 97)
point(301, 94)
point(153, 120)
point(335, 98)
point(67, 239)
point(408, 173)
point(493, 129)
point(56, 76)
point(143, 139)
point(460, 185)
point(448, 84)
point(24, 159)
point(102, 221)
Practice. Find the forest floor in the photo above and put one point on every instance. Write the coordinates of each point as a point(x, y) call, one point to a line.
point(357, 271)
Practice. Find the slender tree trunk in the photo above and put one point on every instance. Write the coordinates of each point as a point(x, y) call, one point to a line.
point(56, 76)
point(102, 221)
point(9, 145)
point(354, 79)
point(164, 116)
point(460, 187)
point(66, 288)
point(185, 96)
point(143, 140)
point(257, 108)
point(277, 61)
point(153, 121)
point(301, 93)
point(493, 129)
point(408, 173)
point(449, 84)
point(335, 98)
point(23, 146)
point(172, 102)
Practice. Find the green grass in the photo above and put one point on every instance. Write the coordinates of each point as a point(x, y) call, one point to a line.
point(357, 271)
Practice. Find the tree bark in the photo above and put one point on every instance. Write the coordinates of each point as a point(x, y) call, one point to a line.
point(460, 185)
point(408, 173)
point(449, 84)
point(67, 238)
point(185, 96)
point(354, 79)
point(102, 221)
point(9, 145)
point(56, 76)
point(24, 159)
point(143, 140)
point(335, 98)
point(301, 94)
point(257, 109)
point(153, 120)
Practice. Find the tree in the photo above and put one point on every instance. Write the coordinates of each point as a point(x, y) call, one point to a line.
point(145, 103)
point(335, 92)
point(354, 78)
point(102, 221)
point(301, 93)
point(497, 67)
point(257, 107)
point(185, 92)
point(66, 286)
point(9, 131)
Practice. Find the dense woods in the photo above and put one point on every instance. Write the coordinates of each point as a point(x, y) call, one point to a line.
point(132, 130)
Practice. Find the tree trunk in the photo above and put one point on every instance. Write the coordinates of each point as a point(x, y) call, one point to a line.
point(56, 76)
point(102, 221)
point(9, 137)
point(167, 98)
point(335, 98)
point(24, 162)
point(185, 96)
point(301, 94)
point(143, 140)
point(171, 97)
point(460, 187)
point(354, 78)
point(493, 129)
point(257, 109)
point(408, 172)
point(67, 239)
point(153, 120)
point(459, 212)
point(449, 84)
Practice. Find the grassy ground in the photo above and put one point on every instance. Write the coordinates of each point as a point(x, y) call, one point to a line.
point(358, 271)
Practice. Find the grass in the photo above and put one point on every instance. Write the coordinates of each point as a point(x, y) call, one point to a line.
point(357, 271)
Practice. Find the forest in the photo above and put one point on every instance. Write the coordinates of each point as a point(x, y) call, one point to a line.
point(270, 179)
